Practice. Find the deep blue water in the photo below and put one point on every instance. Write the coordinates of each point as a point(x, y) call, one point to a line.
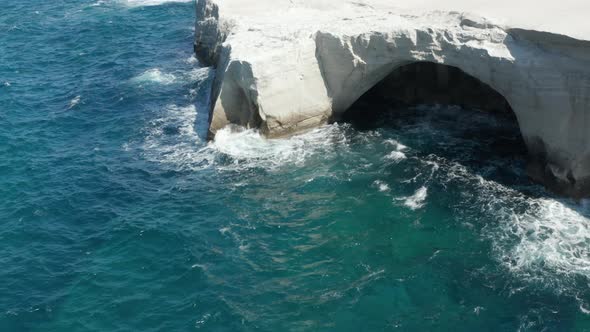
point(117, 215)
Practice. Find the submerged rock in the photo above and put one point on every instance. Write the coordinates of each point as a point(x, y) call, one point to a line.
point(285, 66)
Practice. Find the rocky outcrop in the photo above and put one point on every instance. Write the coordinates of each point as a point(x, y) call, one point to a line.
point(288, 65)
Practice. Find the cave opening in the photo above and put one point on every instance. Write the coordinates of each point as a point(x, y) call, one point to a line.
point(425, 83)
point(451, 98)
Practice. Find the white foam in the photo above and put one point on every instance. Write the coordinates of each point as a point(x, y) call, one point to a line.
point(199, 74)
point(539, 240)
point(396, 145)
point(535, 238)
point(435, 166)
point(417, 200)
point(396, 156)
point(135, 3)
point(98, 3)
point(154, 75)
point(382, 186)
point(173, 139)
point(250, 149)
point(192, 60)
point(551, 236)
point(7, 83)
point(75, 101)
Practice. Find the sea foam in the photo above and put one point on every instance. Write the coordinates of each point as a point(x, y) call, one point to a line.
point(154, 75)
point(251, 149)
point(541, 240)
point(135, 3)
point(174, 138)
point(417, 200)
point(382, 186)
point(75, 101)
point(552, 236)
point(396, 156)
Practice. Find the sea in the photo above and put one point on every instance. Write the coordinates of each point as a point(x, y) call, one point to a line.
point(117, 213)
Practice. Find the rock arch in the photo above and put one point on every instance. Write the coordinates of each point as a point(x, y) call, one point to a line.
point(428, 83)
point(549, 113)
point(305, 64)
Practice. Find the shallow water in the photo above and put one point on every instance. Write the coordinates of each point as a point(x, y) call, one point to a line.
point(118, 216)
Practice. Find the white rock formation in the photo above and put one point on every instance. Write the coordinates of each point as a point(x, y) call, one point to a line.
point(289, 65)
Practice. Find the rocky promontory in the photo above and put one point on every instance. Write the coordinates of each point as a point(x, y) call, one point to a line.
point(284, 66)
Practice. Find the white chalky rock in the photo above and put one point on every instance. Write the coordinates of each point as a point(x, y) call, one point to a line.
point(288, 65)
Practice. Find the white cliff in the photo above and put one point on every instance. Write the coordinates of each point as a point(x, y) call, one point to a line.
point(288, 65)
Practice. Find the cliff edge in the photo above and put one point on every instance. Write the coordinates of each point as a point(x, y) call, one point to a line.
point(288, 65)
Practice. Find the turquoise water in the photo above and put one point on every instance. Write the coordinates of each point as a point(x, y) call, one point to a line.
point(116, 215)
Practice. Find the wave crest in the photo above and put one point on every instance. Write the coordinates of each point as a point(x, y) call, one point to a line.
point(137, 3)
point(154, 75)
point(248, 148)
point(417, 200)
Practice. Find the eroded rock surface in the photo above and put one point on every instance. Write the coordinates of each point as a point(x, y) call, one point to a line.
point(288, 65)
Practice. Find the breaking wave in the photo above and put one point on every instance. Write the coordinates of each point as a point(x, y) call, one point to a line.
point(136, 3)
point(539, 239)
point(74, 102)
point(543, 240)
point(382, 186)
point(249, 148)
point(550, 235)
point(174, 138)
point(155, 75)
point(417, 200)
point(396, 156)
